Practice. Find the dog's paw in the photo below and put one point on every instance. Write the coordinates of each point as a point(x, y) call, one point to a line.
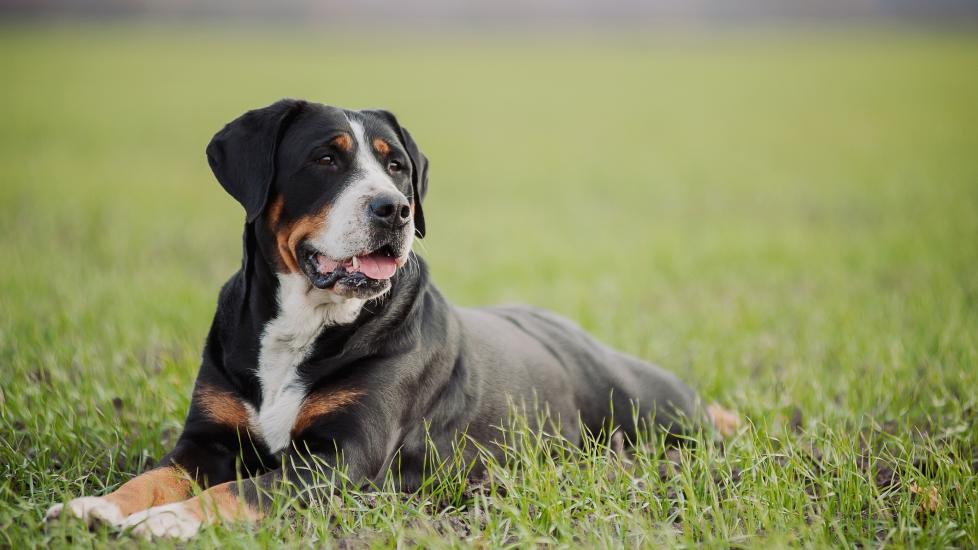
point(725, 421)
point(170, 520)
point(91, 510)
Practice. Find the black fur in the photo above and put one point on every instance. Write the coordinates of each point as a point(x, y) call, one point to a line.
point(232, 156)
point(418, 360)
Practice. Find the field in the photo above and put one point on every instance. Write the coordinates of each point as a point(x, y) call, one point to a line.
point(787, 219)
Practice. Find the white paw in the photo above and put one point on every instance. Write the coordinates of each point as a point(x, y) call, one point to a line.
point(90, 509)
point(169, 520)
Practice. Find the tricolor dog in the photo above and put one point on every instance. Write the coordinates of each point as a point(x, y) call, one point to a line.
point(332, 342)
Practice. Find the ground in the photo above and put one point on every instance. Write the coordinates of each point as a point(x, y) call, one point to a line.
point(787, 219)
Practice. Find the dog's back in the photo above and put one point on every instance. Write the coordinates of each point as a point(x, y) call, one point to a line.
point(534, 355)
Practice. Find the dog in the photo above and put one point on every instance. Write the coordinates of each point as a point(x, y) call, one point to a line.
point(332, 343)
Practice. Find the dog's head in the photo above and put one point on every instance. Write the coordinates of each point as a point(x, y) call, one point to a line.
point(337, 192)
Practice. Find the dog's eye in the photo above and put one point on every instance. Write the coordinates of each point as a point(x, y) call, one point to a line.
point(326, 160)
point(394, 166)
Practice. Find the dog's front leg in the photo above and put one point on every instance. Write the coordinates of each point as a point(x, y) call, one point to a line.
point(246, 500)
point(351, 438)
point(168, 482)
point(215, 437)
point(182, 520)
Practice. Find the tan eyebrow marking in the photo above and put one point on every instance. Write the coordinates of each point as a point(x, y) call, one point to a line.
point(342, 142)
point(381, 146)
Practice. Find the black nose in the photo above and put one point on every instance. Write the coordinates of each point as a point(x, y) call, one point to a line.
point(389, 210)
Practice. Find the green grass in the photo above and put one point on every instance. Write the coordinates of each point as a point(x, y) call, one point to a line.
point(788, 220)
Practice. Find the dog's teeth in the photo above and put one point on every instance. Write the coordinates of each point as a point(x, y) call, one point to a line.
point(356, 264)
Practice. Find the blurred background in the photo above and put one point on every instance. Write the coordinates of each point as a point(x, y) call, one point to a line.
point(776, 199)
point(508, 12)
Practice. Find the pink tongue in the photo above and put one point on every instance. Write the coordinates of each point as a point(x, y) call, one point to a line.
point(377, 267)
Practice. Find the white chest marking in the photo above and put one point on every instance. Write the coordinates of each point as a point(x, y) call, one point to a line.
point(285, 343)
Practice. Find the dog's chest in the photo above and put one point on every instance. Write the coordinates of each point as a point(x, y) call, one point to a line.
point(286, 342)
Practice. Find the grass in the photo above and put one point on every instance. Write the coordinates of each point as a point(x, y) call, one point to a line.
point(788, 220)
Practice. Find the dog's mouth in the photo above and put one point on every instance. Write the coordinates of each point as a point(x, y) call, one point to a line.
point(360, 274)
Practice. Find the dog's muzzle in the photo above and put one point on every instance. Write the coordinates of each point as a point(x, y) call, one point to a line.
point(363, 275)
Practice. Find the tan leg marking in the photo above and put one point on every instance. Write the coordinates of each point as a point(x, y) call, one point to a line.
point(219, 503)
point(726, 422)
point(321, 403)
point(183, 520)
point(153, 488)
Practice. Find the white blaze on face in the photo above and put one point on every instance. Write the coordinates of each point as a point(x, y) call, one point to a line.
point(348, 229)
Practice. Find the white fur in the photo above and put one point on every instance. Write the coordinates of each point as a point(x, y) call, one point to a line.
point(90, 509)
point(304, 311)
point(169, 520)
point(374, 173)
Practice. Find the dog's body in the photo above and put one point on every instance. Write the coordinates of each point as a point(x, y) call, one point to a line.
point(332, 342)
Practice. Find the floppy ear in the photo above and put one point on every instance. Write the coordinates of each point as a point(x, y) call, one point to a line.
point(419, 167)
point(242, 154)
point(419, 178)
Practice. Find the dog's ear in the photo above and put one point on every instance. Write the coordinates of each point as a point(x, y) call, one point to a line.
point(419, 167)
point(242, 154)
point(419, 178)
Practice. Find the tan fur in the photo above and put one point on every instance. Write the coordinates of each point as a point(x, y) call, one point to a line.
point(289, 236)
point(343, 143)
point(219, 503)
point(222, 407)
point(273, 219)
point(153, 488)
point(274, 212)
point(321, 403)
point(726, 422)
point(381, 146)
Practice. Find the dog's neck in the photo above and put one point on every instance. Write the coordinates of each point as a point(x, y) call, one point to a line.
point(286, 297)
point(288, 303)
point(293, 336)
